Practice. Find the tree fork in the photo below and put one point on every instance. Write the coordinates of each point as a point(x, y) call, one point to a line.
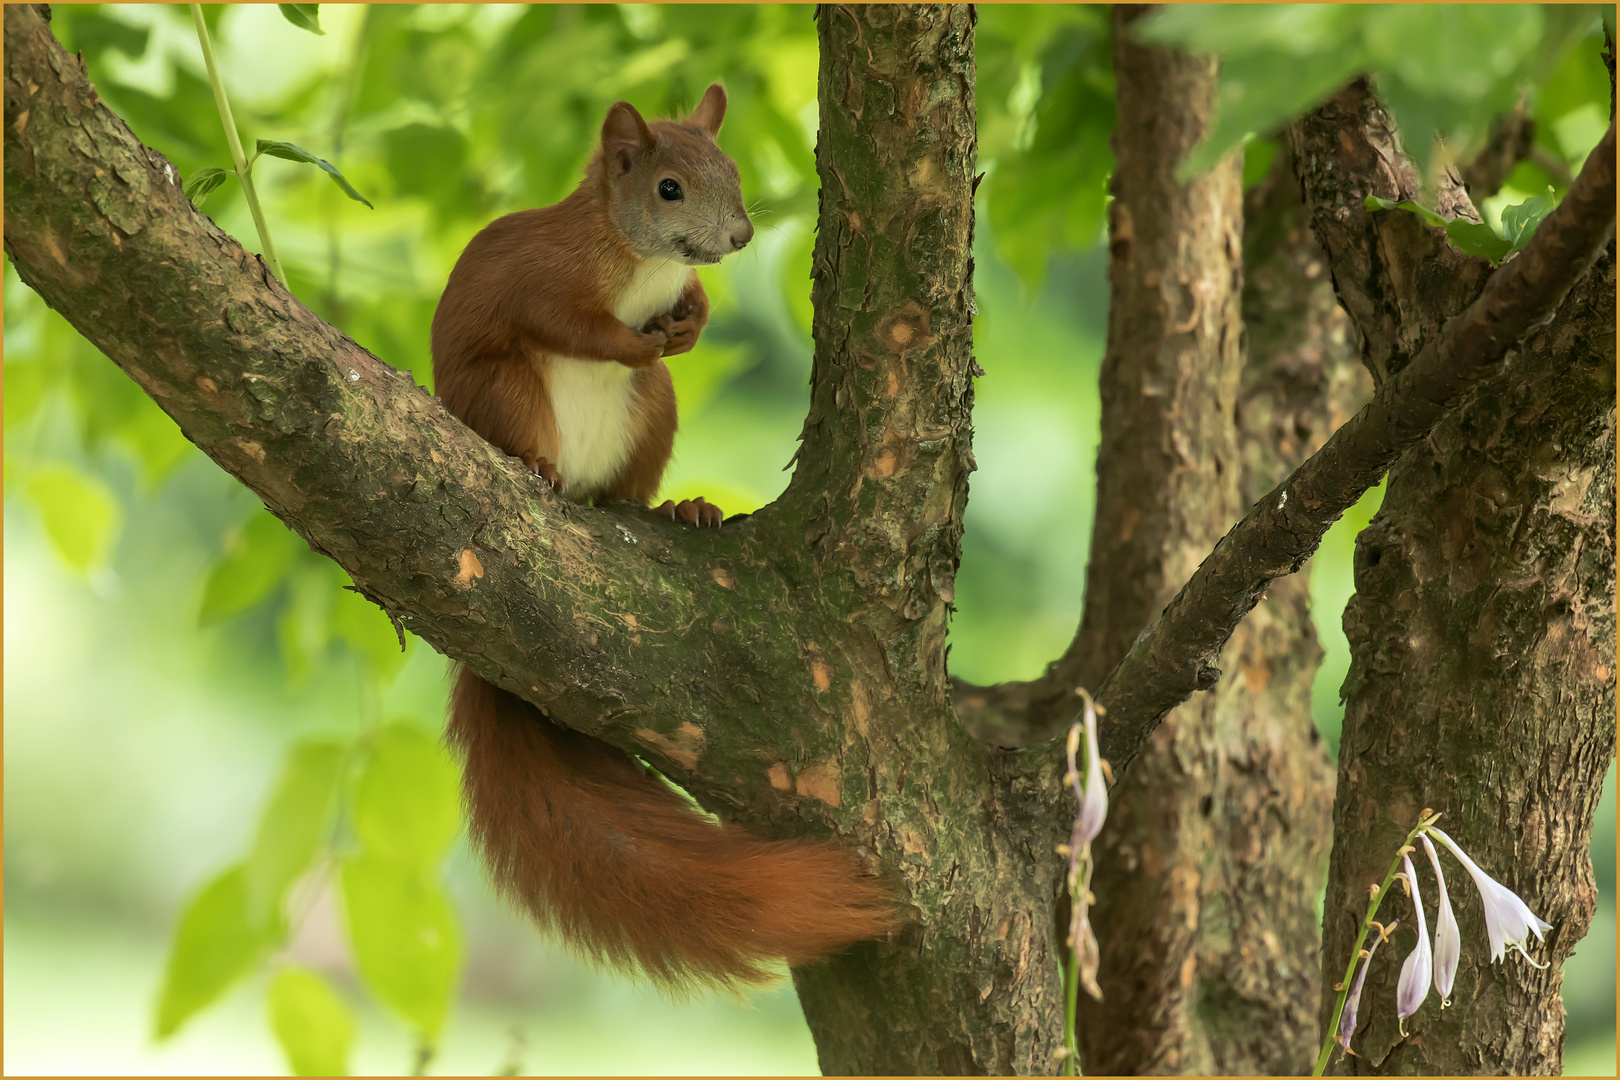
point(569, 607)
point(1482, 627)
point(882, 482)
point(1176, 655)
point(787, 669)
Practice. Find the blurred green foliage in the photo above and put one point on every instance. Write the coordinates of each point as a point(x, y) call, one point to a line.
point(1445, 70)
point(445, 117)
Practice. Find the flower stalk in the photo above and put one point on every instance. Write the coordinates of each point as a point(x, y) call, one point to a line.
point(1092, 795)
point(1508, 924)
point(1376, 898)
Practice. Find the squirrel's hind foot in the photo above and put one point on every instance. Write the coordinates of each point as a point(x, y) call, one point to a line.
point(545, 470)
point(691, 512)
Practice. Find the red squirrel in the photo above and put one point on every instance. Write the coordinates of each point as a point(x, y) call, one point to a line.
point(548, 342)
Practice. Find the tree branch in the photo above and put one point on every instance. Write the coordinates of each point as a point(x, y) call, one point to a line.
point(1176, 653)
point(590, 614)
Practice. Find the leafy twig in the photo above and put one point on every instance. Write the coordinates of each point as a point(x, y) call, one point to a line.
point(244, 171)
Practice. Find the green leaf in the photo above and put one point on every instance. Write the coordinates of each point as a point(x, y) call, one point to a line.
point(1373, 202)
point(407, 804)
point(1457, 51)
point(313, 1025)
point(200, 184)
point(256, 557)
point(303, 16)
point(92, 33)
point(289, 152)
point(304, 628)
point(79, 512)
point(1519, 222)
point(292, 826)
point(156, 442)
point(1473, 237)
point(213, 947)
point(1277, 61)
point(405, 939)
point(1051, 195)
point(1258, 154)
point(1477, 238)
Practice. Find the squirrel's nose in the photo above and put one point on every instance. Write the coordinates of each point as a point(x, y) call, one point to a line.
point(741, 235)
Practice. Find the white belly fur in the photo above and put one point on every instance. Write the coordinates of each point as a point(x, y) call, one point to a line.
point(593, 403)
point(594, 400)
point(653, 290)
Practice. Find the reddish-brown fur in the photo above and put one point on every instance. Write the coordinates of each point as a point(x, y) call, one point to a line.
point(595, 845)
point(579, 832)
point(506, 308)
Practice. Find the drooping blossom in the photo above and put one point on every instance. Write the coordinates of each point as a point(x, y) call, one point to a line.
point(1088, 822)
point(1447, 939)
point(1414, 984)
point(1347, 1018)
point(1508, 919)
point(1094, 796)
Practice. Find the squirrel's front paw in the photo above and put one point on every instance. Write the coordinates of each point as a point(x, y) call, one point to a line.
point(650, 343)
point(679, 329)
point(545, 470)
point(692, 512)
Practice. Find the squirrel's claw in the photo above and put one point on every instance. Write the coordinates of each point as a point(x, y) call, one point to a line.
point(695, 512)
point(545, 470)
point(680, 330)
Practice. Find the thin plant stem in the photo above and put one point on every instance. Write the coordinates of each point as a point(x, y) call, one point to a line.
point(243, 169)
point(1361, 939)
point(1071, 1006)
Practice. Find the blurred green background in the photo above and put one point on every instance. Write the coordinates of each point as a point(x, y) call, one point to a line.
point(166, 642)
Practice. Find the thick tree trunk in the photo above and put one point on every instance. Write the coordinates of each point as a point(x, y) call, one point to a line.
point(973, 986)
point(1167, 488)
point(1216, 840)
point(1482, 630)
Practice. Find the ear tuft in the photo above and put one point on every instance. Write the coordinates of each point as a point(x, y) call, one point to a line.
point(711, 110)
point(624, 133)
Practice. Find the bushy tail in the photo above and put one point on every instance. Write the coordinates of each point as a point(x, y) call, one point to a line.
point(595, 845)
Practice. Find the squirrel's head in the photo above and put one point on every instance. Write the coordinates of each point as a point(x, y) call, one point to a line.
point(671, 190)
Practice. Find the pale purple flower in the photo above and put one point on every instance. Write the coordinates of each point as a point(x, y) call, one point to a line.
point(1347, 1018)
point(1447, 940)
point(1094, 797)
point(1508, 919)
point(1414, 984)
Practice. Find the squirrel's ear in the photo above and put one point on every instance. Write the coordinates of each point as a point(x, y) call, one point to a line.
point(711, 110)
point(624, 133)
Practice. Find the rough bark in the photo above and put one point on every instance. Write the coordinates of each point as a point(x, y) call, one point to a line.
point(1482, 630)
point(1270, 815)
point(1218, 834)
point(788, 669)
point(881, 486)
point(1419, 385)
point(1167, 486)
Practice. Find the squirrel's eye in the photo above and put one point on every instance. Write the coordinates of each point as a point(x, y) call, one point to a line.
point(669, 189)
